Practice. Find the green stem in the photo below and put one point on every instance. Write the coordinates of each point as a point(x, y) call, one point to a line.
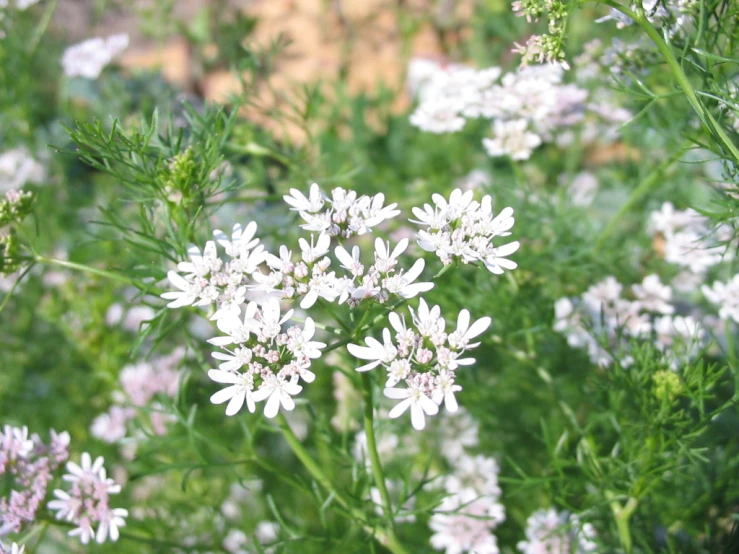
point(92, 270)
point(15, 286)
point(682, 79)
point(40, 30)
point(386, 538)
point(649, 182)
point(622, 515)
point(369, 430)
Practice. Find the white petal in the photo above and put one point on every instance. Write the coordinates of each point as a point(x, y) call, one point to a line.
point(272, 406)
point(224, 395)
point(237, 402)
point(478, 327)
point(220, 376)
point(400, 408)
point(417, 418)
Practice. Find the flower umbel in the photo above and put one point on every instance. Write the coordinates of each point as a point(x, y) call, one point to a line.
point(263, 363)
point(425, 358)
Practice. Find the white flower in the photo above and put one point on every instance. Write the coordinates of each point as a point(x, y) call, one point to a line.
point(268, 363)
point(464, 229)
point(310, 252)
point(302, 343)
point(385, 259)
point(17, 168)
point(415, 398)
point(109, 525)
point(427, 321)
point(549, 531)
point(464, 523)
point(511, 138)
point(186, 296)
point(87, 59)
point(653, 296)
point(210, 279)
point(241, 240)
point(301, 203)
point(350, 262)
point(725, 296)
point(347, 214)
point(445, 389)
point(240, 391)
point(465, 332)
point(236, 329)
point(87, 501)
point(375, 351)
point(403, 284)
point(233, 361)
point(277, 392)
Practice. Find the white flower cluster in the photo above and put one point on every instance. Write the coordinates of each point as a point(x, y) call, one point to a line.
point(346, 214)
point(17, 168)
point(426, 359)
point(209, 279)
point(549, 531)
point(140, 384)
point(88, 58)
point(467, 517)
point(265, 363)
point(462, 228)
point(311, 279)
point(526, 106)
point(602, 314)
point(87, 501)
point(262, 362)
point(725, 296)
point(687, 239)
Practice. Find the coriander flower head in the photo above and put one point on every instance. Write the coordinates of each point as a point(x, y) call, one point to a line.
point(260, 362)
point(208, 279)
point(87, 502)
point(461, 228)
point(343, 214)
point(423, 357)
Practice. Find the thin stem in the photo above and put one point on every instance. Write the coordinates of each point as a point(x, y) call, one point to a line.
point(41, 28)
point(332, 313)
point(369, 430)
point(682, 79)
point(15, 285)
point(337, 344)
point(650, 181)
point(622, 515)
point(387, 538)
point(92, 270)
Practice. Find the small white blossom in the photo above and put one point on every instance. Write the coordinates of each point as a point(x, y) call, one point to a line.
point(464, 229)
point(347, 213)
point(208, 279)
point(511, 138)
point(87, 501)
point(549, 531)
point(424, 357)
point(725, 296)
point(266, 363)
point(653, 296)
point(88, 59)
